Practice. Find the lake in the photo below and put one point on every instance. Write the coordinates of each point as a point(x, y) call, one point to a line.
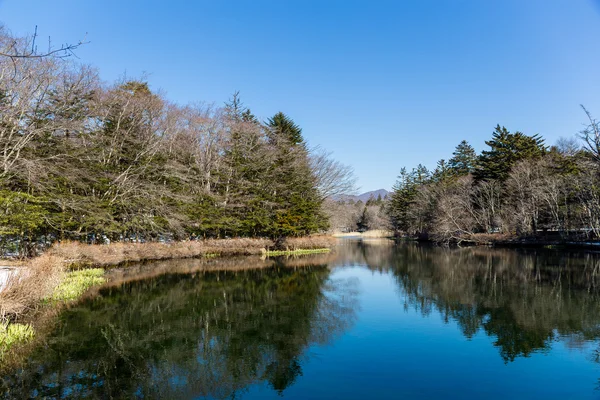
point(370, 320)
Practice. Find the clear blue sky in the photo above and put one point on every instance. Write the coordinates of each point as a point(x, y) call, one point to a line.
point(381, 84)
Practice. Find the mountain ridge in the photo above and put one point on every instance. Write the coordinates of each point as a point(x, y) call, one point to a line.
point(364, 197)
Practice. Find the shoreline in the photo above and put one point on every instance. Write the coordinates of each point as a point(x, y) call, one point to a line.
point(372, 234)
point(514, 243)
point(35, 289)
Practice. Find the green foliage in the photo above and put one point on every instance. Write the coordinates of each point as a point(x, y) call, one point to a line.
point(442, 171)
point(14, 333)
point(21, 213)
point(464, 159)
point(125, 163)
point(76, 283)
point(283, 126)
point(506, 149)
point(297, 252)
point(363, 222)
point(403, 196)
point(518, 187)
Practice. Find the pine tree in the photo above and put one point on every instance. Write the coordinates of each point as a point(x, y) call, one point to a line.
point(442, 171)
point(505, 150)
point(364, 221)
point(464, 159)
point(296, 198)
point(281, 125)
point(403, 196)
point(245, 184)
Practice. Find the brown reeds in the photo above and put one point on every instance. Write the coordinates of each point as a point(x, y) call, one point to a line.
point(27, 286)
point(309, 243)
point(75, 253)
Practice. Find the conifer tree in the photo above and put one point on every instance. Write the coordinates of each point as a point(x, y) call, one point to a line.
point(506, 149)
point(403, 195)
point(296, 198)
point(282, 125)
point(442, 171)
point(464, 159)
point(364, 222)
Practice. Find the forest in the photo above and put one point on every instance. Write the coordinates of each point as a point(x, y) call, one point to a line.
point(518, 188)
point(82, 159)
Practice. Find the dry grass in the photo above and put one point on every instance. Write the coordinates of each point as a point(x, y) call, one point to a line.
point(309, 243)
point(28, 286)
point(117, 276)
point(299, 252)
point(26, 289)
point(377, 233)
point(47, 278)
point(78, 254)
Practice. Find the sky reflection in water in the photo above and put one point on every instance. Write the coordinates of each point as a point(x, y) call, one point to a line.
point(373, 320)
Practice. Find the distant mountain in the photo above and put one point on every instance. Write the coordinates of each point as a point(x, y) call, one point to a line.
point(364, 197)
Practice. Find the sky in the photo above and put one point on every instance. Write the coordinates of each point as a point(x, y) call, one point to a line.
point(381, 84)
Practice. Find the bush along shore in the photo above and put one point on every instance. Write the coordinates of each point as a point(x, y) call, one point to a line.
point(67, 270)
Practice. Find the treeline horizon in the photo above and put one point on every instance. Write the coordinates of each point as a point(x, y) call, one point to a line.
point(518, 187)
point(85, 160)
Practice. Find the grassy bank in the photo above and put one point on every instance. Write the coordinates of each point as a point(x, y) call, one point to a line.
point(77, 254)
point(297, 252)
point(69, 269)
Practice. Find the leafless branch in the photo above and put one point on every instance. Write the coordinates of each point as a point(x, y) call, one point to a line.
point(31, 51)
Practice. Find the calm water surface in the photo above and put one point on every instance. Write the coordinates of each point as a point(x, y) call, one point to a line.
point(372, 320)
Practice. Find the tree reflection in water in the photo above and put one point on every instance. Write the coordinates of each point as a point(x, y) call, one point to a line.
point(189, 335)
point(524, 299)
point(188, 328)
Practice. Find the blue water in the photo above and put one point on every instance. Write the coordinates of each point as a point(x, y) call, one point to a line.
point(373, 320)
point(394, 352)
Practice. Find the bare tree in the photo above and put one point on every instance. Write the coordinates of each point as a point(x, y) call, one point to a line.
point(568, 147)
point(525, 192)
point(586, 185)
point(16, 49)
point(455, 217)
point(591, 135)
point(25, 88)
point(333, 178)
point(196, 144)
point(488, 202)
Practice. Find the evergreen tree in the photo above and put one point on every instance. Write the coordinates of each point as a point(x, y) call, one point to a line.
point(364, 221)
point(296, 198)
point(442, 171)
point(245, 184)
point(464, 159)
point(283, 126)
point(403, 196)
point(505, 150)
